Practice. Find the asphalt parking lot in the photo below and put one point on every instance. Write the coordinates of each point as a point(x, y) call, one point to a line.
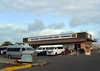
point(69, 63)
point(3, 65)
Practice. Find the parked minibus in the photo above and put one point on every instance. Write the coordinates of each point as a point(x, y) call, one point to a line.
point(14, 51)
point(41, 50)
point(50, 49)
point(55, 50)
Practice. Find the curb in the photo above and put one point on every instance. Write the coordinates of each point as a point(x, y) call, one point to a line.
point(8, 62)
point(18, 67)
point(41, 64)
point(24, 65)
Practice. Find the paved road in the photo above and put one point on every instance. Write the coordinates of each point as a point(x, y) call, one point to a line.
point(69, 63)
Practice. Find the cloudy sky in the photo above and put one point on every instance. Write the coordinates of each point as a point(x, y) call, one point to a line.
point(29, 18)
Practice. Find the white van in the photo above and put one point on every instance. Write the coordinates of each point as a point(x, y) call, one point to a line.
point(55, 50)
point(14, 51)
point(41, 50)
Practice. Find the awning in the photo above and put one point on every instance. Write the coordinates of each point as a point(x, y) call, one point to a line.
point(89, 42)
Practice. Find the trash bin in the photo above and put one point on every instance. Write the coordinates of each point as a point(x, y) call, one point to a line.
point(29, 56)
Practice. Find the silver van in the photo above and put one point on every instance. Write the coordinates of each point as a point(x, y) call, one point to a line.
point(14, 51)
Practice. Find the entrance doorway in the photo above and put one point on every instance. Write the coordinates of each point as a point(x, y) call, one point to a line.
point(77, 46)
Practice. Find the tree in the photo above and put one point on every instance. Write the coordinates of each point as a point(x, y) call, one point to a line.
point(18, 43)
point(6, 43)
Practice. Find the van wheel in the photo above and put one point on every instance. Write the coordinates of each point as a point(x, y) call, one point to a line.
point(9, 57)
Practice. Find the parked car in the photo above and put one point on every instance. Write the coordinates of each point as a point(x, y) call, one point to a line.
point(3, 52)
point(15, 51)
point(0, 52)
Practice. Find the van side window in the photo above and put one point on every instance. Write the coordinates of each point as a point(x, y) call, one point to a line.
point(17, 49)
point(60, 47)
point(23, 49)
point(13, 49)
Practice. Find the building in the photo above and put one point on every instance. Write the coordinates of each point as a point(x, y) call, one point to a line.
point(71, 40)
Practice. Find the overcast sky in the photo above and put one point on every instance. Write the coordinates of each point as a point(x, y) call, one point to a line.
point(29, 18)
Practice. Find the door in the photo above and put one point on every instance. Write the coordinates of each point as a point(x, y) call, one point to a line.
point(77, 46)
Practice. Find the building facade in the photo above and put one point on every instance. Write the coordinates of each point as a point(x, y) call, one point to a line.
point(71, 40)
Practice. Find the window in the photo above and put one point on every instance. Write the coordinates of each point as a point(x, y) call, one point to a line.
point(60, 47)
point(30, 49)
point(39, 49)
point(50, 48)
point(23, 49)
point(55, 47)
point(13, 49)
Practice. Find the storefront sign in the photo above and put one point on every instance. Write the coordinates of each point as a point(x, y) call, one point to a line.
point(64, 36)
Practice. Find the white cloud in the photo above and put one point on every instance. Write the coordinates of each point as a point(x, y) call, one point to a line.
point(50, 31)
point(56, 26)
point(86, 11)
point(82, 12)
point(10, 32)
point(95, 35)
point(31, 6)
point(16, 33)
point(92, 33)
point(37, 26)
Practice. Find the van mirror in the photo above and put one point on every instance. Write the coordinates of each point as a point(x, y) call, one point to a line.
point(43, 48)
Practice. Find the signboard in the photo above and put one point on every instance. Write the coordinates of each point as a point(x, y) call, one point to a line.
point(64, 36)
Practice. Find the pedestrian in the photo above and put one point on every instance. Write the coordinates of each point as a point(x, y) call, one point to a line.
point(75, 52)
point(91, 49)
point(65, 51)
point(78, 51)
point(71, 51)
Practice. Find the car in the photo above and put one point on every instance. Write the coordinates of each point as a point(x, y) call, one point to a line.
point(3, 52)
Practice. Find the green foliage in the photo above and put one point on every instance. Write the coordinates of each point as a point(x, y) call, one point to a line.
point(6, 43)
point(18, 43)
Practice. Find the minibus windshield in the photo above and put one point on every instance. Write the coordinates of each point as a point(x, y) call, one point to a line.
point(39, 49)
point(29, 49)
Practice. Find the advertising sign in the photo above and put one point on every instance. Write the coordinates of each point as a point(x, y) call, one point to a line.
point(52, 37)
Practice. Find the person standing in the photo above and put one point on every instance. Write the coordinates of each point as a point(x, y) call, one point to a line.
point(91, 49)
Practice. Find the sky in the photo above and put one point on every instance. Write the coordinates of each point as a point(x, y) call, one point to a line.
point(29, 18)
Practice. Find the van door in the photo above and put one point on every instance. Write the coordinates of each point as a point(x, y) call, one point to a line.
point(20, 52)
point(15, 52)
point(56, 50)
point(60, 50)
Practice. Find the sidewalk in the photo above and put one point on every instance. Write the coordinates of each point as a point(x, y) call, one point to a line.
point(9, 64)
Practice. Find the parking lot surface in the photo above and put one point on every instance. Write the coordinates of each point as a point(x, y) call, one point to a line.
point(5, 65)
point(65, 63)
point(69, 63)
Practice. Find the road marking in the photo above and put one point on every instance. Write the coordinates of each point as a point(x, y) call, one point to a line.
point(18, 67)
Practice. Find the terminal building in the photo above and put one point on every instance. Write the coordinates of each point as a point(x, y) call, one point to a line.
point(70, 40)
